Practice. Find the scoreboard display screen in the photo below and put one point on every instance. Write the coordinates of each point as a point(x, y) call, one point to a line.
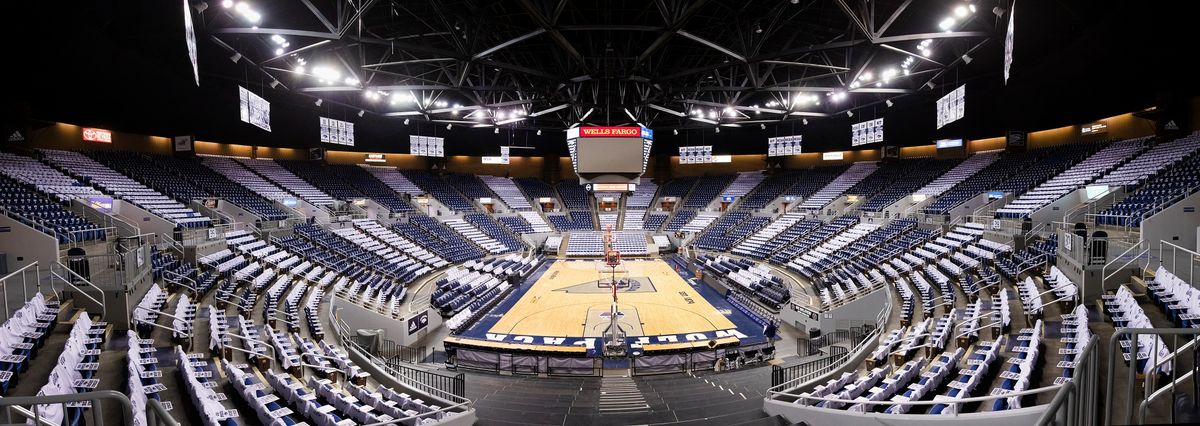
point(605, 150)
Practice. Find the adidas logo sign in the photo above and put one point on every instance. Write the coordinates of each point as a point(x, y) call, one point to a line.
point(16, 136)
point(1171, 125)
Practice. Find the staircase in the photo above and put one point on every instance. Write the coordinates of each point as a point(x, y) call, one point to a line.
point(620, 395)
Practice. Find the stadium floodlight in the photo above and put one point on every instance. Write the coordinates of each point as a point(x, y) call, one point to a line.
point(319, 101)
point(762, 126)
point(362, 112)
point(278, 39)
point(712, 114)
point(804, 120)
point(866, 76)
point(539, 132)
point(675, 132)
point(278, 51)
point(496, 130)
point(227, 4)
point(351, 81)
point(717, 129)
point(405, 121)
point(448, 126)
point(889, 103)
point(947, 24)
point(849, 113)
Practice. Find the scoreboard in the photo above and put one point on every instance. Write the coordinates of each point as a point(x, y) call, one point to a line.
point(609, 154)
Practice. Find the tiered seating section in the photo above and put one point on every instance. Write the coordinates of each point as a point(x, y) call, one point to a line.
point(591, 244)
point(1166, 179)
point(1071, 179)
point(220, 186)
point(893, 182)
point(285, 179)
point(706, 189)
point(440, 190)
point(368, 185)
point(835, 188)
point(119, 186)
point(508, 192)
point(50, 217)
point(959, 173)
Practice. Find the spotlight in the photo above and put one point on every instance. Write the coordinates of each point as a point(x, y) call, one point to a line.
point(236, 57)
point(947, 24)
point(319, 101)
point(274, 83)
point(849, 113)
point(278, 51)
point(888, 102)
point(227, 4)
point(762, 126)
point(757, 29)
point(539, 133)
point(675, 132)
point(351, 81)
point(362, 112)
point(496, 131)
point(961, 11)
point(805, 121)
point(405, 121)
point(448, 126)
point(300, 69)
point(718, 130)
point(966, 59)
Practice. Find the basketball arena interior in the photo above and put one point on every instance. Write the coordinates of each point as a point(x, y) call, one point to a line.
point(573, 212)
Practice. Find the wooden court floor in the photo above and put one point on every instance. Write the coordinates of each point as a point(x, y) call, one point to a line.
point(565, 302)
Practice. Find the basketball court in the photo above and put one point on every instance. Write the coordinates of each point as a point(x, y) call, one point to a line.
point(572, 299)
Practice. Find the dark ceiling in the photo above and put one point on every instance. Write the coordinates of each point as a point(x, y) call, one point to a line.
point(124, 65)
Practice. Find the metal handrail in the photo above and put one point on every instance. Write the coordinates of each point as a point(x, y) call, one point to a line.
point(1064, 391)
point(1155, 362)
point(93, 397)
point(103, 307)
point(24, 284)
point(156, 415)
point(190, 336)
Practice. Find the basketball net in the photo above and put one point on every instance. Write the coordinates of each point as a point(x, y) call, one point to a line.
point(612, 259)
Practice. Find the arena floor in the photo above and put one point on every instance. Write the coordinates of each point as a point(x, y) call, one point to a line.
point(566, 301)
point(561, 305)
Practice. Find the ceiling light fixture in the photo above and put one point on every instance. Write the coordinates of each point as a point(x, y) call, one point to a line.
point(448, 126)
point(889, 103)
point(405, 121)
point(319, 101)
point(362, 113)
point(539, 132)
point(849, 113)
point(236, 57)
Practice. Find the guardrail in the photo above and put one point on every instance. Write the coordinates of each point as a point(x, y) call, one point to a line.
point(1151, 390)
point(450, 388)
point(17, 404)
point(23, 272)
point(1073, 403)
point(802, 376)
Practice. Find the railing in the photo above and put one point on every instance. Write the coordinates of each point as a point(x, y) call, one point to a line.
point(17, 404)
point(1193, 259)
point(389, 350)
point(1151, 391)
point(799, 375)
point(1078, 395)
point(1104, 269)
point(57, 271)
point(450, 388)
point(156, 415)
point(32, 268)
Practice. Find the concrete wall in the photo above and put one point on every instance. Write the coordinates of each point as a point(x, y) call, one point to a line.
point(356, 317)
point(864, 310)
point(1176, 224)
point(23, 245)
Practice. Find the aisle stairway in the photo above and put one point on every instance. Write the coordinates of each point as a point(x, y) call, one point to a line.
point(839, 185)
point(727, 398)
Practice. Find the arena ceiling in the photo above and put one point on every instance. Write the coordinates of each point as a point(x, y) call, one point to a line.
point(559, 63)
point(518, 68)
